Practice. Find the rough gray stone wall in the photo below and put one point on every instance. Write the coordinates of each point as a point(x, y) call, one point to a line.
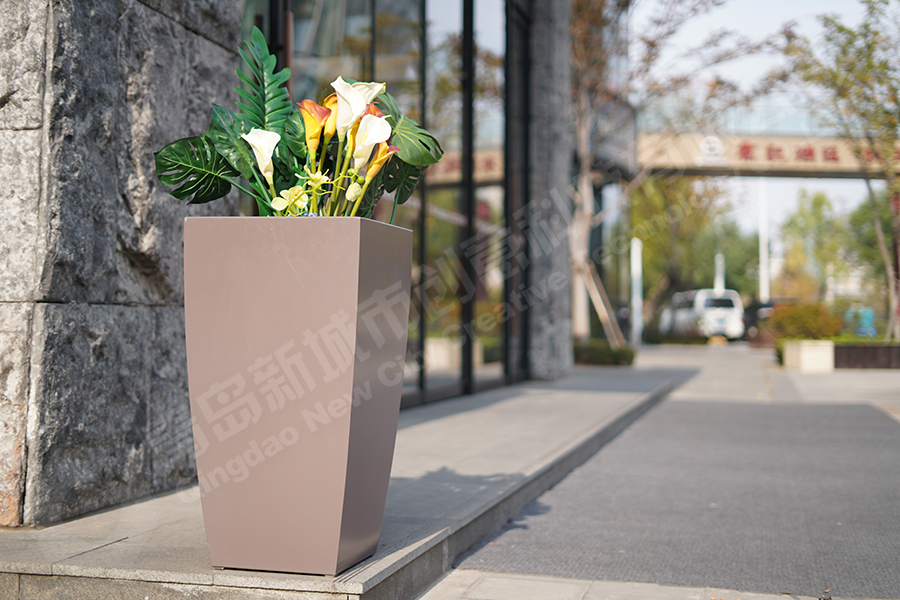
point(550, 318)
point(93, 388)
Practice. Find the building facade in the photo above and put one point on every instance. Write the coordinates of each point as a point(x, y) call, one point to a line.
point(93, 387)
point(463, 69)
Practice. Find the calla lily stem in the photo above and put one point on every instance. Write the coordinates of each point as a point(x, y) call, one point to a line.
point(334, 189)
point(393, 212)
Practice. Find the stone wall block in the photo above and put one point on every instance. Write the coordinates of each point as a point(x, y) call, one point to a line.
point(127, 80)
point(169, 434)
point(88, 411)
point(213, 19)
point(15, 320)
point(550, 354)
point(20, 174)
point(23, 29)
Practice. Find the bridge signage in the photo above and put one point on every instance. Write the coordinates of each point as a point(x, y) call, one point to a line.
point(751, 156)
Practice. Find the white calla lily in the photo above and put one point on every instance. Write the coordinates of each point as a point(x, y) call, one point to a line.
point(263, 144)
point(372, 131)
point(369, 91)
point(351, 104)
point(352, 100)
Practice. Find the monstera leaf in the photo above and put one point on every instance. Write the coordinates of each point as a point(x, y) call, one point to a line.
point(194, 165)
point(418, 148)
point(401, 178)
point(268, 103)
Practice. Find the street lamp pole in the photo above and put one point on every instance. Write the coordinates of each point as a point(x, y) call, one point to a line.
point(763, 242)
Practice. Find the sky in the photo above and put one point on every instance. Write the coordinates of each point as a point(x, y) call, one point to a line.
point(758, 19)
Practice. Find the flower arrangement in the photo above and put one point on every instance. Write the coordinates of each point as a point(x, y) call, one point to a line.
point(336, 158)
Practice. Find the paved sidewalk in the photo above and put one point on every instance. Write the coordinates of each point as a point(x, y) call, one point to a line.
point(465, 584)
point(462, 468)
point(749, 477)
point(738, 373)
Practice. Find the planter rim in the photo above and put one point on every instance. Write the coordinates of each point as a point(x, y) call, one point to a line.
point(356, 219)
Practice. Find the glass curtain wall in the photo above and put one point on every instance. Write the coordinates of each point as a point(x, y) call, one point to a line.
point(465, 330)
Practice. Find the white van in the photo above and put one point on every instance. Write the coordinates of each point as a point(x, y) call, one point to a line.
point(705, 313)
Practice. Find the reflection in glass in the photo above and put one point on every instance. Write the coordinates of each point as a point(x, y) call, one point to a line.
point(442, 273)
point(490, 44)
point(490, 316)
point(254, 13)
point(398, 52)
point(398, 63)
point(486, 252)
point(443, 76)
point(445, 284)
point(331, 38)
point(408, 216)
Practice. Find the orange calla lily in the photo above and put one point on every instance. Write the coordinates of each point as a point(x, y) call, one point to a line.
point(331, 123)
point(314, 119)
point(373, 110)
point(383, 152)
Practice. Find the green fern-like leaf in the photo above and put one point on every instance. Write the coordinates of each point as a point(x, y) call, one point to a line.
point(194, 164)
point(225, 131)
point(267, 101)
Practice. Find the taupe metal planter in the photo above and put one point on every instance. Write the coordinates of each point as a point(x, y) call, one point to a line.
point(296, 336)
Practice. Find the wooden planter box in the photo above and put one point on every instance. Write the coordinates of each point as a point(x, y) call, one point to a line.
point(867, 357)
point(296, 337)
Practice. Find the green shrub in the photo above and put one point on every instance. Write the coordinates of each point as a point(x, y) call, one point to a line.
point(801, 322)
point(653, 336)
point(599, 352)
point(804, 321)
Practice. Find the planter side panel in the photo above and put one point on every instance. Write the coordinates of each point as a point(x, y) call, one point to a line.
point(270, 315)
point(382, 325)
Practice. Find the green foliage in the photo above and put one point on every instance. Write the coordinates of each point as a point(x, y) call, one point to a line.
point(599, 352)
point(814, 238)
point(207, 167)
point(194, 165)
point(268, 103)
point(225, 132)
point(290, 153)
point(417, 147)
point(741, 252)
point(294, 135)
point(683, 222)
point(854, 72)
point(401, 178)
point(491, 348)
point(862, 239)
point(652, 336)
point(375, 191)
point(803, 321)
point(810, 321)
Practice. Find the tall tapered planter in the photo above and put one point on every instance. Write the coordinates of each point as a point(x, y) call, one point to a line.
point(296, 336)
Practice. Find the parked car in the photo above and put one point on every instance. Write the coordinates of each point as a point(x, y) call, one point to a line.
point(705, 313)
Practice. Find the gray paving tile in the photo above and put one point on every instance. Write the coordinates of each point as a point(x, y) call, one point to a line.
point(498, 586)
point(453, 586)
point(9, 585)
point(617, 590)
